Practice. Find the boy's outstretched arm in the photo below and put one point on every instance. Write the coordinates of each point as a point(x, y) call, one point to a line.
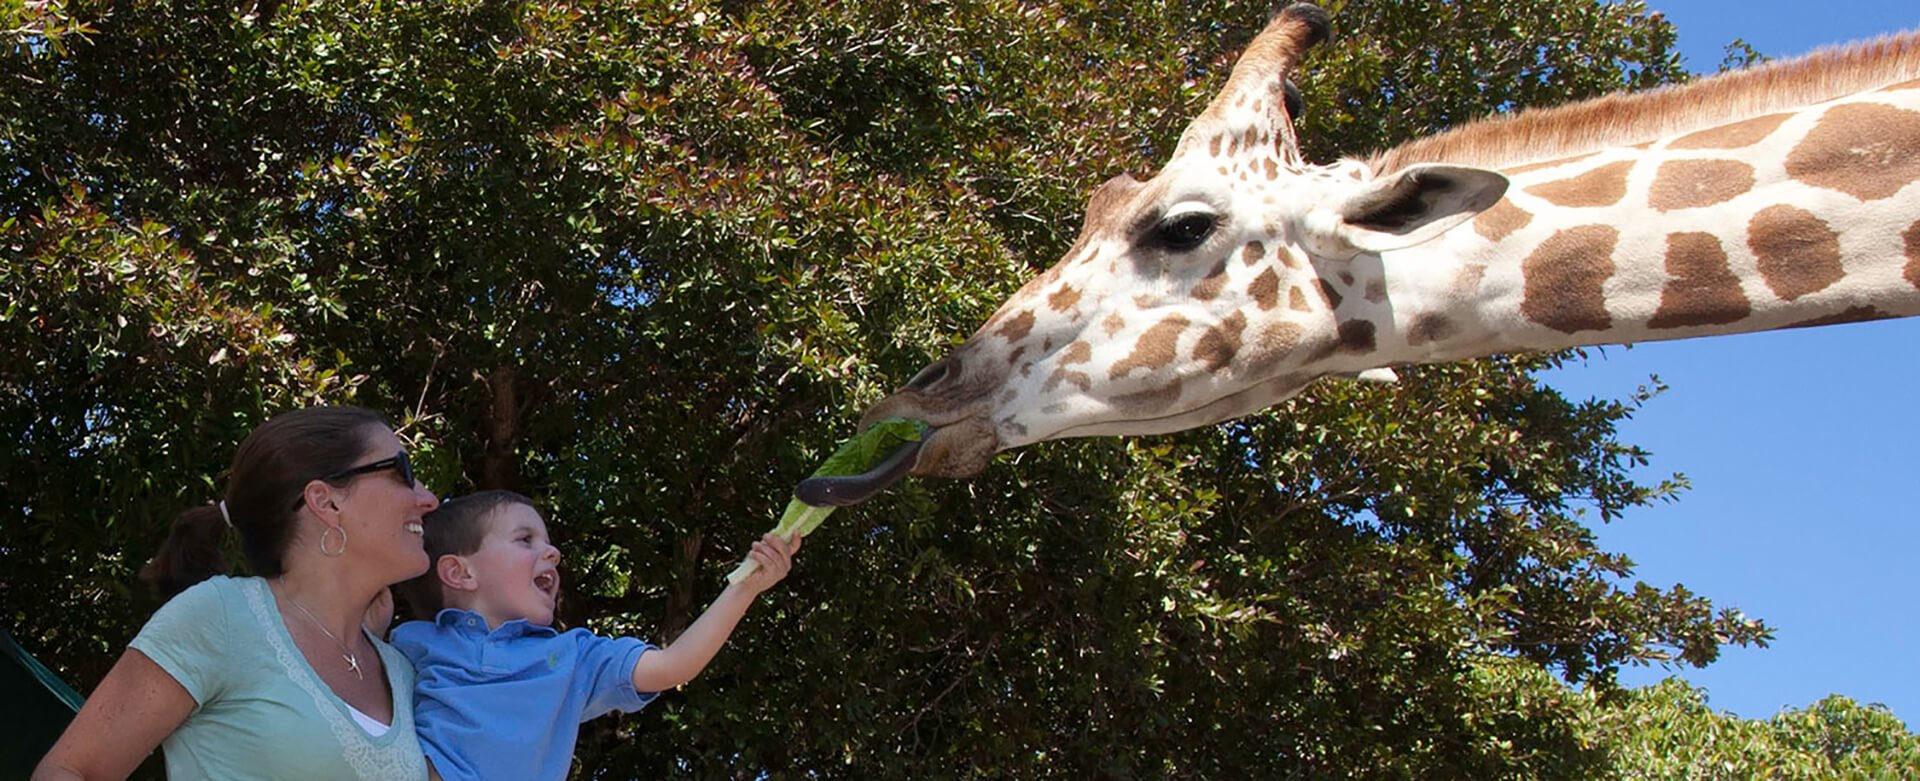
point(689, 653)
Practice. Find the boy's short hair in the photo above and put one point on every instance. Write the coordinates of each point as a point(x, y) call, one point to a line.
point(456, 527)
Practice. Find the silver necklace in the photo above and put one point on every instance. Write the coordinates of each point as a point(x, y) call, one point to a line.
point(353, 662)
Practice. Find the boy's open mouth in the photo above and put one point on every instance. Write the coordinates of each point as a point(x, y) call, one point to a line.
point(548, 583)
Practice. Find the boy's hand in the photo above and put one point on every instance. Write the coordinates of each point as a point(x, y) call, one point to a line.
point(775, 557)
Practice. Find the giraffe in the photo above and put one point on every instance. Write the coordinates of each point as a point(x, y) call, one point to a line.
point(1780, 196)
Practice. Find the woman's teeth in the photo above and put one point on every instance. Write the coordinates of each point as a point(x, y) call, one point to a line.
point(413, 527)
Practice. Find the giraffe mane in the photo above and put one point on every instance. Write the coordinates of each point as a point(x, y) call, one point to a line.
point(1535, 135)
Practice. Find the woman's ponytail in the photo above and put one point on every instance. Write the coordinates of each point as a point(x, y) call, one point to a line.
point(272, 466)
point(190, 554)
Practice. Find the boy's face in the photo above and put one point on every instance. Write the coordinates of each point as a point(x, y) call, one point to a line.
point(515, 572)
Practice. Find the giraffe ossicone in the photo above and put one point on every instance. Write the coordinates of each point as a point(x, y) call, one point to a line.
point(1777, 197)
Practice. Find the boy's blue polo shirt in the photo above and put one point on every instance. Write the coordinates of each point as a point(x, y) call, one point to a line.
point(508, 703)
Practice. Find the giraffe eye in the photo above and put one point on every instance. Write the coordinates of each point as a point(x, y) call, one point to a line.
point(1184, 231)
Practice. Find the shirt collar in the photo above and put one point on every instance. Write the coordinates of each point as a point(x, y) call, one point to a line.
point(455, 618)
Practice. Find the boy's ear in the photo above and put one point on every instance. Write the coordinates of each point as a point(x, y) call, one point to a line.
point(453, 572)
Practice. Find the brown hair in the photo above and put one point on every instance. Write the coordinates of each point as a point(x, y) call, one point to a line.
point(456, 527)
point(271, 468)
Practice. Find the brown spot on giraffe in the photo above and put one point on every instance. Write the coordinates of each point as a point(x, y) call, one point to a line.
point(1016, 327)
point(1273, 169)
point(1912, 237)
point(1545, 164)
point(1078, 352)
point(1015, 357)
point(1297, 300)
point(1286, 257)
point(1148, 401)
point(1914, 84)
point(1213, 146)
point(1376, 291)
point(1217, 347)
point(1251, 253)
point(1865, 150)
point(1429, 327)
point(1703, 290)
point(1603, 186)
point(1346, 279)
point(1328, 294)
point(1277, 341)
point(1155, 348)
point(1063, 299)
point(1737, 135)
point(1467, 282)
point(1563, 278)
point(1798, 254)
point(1688, 184)
point(1357, 335)
point(1113, 324)
point(1265, 290)
point(1857, 314)
point(1209, 288)
point(1500, 221)
point(1063, 375)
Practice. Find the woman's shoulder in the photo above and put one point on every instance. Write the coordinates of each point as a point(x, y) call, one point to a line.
point(218, 593)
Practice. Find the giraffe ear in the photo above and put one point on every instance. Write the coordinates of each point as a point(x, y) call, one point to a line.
point(1415, 204)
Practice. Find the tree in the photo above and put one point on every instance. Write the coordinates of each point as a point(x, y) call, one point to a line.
point(646, 261)
point(1667, 731)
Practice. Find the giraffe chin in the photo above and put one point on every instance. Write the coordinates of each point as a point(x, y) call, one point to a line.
point(958, 449)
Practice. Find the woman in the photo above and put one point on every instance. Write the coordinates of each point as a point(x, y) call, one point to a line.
point(273, 676)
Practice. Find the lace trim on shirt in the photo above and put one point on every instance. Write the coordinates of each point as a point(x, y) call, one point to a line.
point(365, 759)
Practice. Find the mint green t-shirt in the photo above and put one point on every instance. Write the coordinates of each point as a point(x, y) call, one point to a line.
point(261, 711)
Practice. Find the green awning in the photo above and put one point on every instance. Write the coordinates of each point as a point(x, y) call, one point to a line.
point(37, 707)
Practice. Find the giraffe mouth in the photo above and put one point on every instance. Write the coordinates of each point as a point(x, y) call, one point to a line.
point(854, 489)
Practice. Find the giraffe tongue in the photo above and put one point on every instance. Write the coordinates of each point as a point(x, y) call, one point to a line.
point(854, 489)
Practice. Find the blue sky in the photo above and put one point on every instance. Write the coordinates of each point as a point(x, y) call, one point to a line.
point(1803, 448)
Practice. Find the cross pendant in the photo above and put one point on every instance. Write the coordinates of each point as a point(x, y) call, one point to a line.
point(353, 665)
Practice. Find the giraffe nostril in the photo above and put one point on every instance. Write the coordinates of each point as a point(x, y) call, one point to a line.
point(932, 375)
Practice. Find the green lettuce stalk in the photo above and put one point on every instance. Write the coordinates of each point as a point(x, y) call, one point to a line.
point(855, 456)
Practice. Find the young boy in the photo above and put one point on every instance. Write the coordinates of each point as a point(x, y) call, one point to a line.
point(499, 693)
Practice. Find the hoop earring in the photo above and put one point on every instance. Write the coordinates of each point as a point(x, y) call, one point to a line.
point(343, 542)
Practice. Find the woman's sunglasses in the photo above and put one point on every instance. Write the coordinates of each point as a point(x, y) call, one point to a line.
point(397, 463)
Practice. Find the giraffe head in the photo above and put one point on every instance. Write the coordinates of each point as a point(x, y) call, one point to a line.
point(1208, 292)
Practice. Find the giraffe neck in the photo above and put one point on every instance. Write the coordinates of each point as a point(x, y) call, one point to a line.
point(1790, 218)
